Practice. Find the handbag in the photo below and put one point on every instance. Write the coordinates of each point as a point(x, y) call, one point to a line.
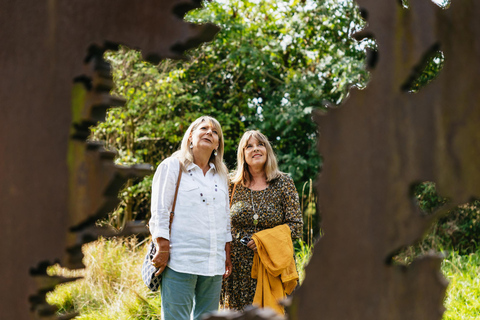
point(148, 270)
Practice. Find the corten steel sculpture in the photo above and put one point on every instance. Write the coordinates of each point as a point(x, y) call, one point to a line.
point(383, 140)
point(380, 143)
point(54, 85)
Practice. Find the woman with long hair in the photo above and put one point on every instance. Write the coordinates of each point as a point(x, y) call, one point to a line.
point(262, 198)
point(193, 255)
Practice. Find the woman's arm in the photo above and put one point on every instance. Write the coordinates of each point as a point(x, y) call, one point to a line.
point(228, 239)
point(228, 260)
point(227, 212)
point(291, 204)
point(163, 191)
point(160, 259)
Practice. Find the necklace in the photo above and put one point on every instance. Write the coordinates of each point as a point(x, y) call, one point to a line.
point(255, 215)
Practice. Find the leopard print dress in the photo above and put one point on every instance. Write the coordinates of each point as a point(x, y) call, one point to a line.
point(277, 204)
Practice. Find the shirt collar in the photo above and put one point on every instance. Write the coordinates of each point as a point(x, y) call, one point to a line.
point(193, 166)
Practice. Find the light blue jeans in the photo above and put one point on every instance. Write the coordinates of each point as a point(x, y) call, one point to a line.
point(183, 292)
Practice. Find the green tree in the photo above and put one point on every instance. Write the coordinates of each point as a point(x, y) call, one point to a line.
point(270, 66)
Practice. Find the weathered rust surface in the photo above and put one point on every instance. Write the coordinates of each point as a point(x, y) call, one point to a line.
point(54, 184)
point(53, 86)
point(380, 143)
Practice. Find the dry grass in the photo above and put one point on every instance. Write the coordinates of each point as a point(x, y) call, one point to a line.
point(112, 287)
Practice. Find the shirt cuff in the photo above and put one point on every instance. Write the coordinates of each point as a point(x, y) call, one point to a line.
point(161, 234)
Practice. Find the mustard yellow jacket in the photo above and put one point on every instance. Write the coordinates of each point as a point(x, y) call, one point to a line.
point(273, 267)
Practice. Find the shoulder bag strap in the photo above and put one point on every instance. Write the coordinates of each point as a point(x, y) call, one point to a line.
point(172, 213)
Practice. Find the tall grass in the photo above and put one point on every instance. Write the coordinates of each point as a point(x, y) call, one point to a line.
point(303, 252)
point(112, 287)
point(463, 294)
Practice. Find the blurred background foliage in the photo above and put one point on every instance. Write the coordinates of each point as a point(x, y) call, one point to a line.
point(270, 66)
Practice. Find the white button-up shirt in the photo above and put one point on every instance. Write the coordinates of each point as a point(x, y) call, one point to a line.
point(201, 224)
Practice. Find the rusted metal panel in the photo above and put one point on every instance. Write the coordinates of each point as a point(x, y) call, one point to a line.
point(375, 147)
point(54, 184)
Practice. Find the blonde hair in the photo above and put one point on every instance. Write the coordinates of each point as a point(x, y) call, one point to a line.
point(242, 174)
point(185, 154)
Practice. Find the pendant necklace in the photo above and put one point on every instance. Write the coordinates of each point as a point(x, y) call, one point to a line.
point(255, 215)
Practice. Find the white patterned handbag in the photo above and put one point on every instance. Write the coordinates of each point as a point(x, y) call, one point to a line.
point(148, 270)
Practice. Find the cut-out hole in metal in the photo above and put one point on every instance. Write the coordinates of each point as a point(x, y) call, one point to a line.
point(444, 4)
point(426, 71)
point(425, 196)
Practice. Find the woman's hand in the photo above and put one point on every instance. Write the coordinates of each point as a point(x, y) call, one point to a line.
point(228, 261)
point(252, 245)
point(160, 259)
point(228, 268)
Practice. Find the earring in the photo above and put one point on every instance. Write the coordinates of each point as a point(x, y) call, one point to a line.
point(191, 145)
point(215, 152)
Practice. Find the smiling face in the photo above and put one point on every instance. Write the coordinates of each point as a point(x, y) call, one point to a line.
point(255, 153)
point(205, 136)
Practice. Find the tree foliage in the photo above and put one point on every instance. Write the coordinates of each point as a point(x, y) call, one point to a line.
point(270, 66)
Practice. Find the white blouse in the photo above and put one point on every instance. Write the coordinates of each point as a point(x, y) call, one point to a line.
point(201, 224)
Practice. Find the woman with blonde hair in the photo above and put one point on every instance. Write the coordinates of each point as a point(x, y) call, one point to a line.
point(193, 254)
point(262, 198)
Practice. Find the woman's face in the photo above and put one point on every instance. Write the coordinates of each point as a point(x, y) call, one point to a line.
point(205, 137)
point(255, 153)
